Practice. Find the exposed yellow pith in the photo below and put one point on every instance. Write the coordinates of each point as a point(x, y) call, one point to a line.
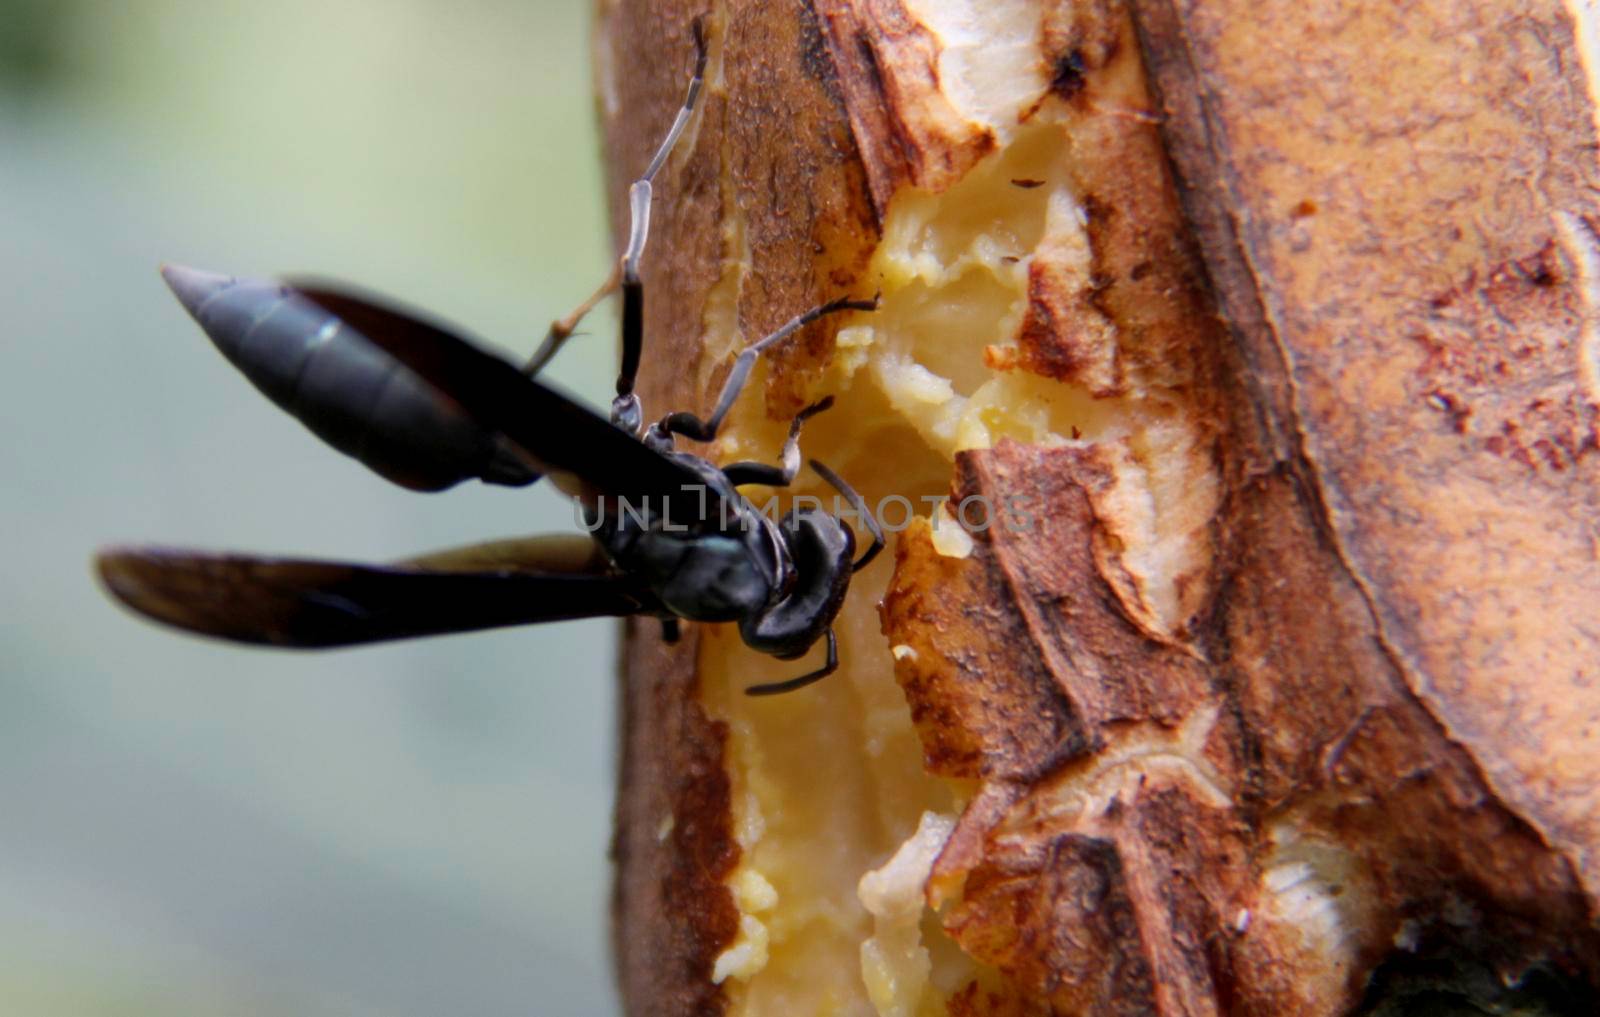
point(836, 819)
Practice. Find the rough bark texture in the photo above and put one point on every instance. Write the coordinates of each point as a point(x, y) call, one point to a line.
point(669, 891)
point(1352, 253)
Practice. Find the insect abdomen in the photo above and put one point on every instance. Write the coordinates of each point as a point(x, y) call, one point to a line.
point(343, 388)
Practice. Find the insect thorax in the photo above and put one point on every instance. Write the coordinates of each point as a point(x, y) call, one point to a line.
point(705, 564)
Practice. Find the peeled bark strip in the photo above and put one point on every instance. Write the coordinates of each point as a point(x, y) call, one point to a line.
point(1270, 338)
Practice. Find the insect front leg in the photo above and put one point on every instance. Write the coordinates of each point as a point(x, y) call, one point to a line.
point(859, 504)
point(782, 475)
point(775, 688)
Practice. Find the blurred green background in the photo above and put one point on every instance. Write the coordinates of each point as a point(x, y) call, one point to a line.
point(191, 828)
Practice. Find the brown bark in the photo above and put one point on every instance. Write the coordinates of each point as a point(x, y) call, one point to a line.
point(1295, 668)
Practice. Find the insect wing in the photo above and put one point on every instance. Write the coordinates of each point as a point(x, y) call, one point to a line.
point(318, 604)
point(584, 453)
point(542, 553)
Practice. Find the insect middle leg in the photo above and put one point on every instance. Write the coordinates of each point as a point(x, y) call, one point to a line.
point(782, 475)
point(691, 426)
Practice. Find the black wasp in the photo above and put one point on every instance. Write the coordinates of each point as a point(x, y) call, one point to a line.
point(671, 535)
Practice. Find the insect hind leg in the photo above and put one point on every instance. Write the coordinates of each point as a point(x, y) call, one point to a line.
point(625, 273)
point(783, 474)
point(563, 329)
point(625, 407)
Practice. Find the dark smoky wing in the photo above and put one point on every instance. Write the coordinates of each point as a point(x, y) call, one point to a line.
point(560, 436)
point(316, 604)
